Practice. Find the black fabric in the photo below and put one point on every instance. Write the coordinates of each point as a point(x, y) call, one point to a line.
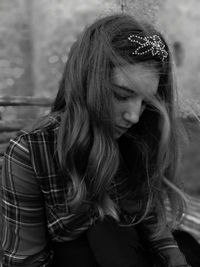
point(107, 245)
point(115, 246)
point(75, 253)
point(189, 247)
point(104, 245)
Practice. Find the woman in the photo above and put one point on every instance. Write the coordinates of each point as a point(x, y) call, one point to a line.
point(87, 185)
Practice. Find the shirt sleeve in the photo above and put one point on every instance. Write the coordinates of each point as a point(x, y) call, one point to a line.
point(166, 246)
point(24, 236)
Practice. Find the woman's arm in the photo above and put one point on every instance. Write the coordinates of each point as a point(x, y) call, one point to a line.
point(24, 235)
point(165, 246)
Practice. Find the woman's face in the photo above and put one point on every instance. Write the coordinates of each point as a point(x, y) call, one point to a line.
point(131, 85)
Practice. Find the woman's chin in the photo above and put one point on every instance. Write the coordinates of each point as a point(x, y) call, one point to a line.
point(118, 133)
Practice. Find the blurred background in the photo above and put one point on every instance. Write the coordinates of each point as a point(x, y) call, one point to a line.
point(36, 35)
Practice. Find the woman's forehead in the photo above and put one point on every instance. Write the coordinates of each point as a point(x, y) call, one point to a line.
point(139, 77)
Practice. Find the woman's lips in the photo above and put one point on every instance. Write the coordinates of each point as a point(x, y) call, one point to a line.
point(122, 129)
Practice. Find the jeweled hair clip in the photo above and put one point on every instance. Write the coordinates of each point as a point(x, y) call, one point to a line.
point(149, 44)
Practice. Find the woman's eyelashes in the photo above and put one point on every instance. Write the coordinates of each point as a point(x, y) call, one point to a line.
point(121, 97)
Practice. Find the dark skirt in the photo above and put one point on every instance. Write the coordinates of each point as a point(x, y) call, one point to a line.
point(107, 245)
point(103, 245)
point(76, 253)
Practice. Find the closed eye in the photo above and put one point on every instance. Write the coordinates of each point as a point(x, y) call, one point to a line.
point(122, 93)
point(121, 97)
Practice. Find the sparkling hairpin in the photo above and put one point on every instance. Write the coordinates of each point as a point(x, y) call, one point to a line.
point(149, 44)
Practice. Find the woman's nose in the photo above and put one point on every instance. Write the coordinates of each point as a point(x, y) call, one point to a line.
point(133, 111)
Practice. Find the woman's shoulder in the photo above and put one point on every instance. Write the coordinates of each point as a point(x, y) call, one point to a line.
point(39, 143)
point(45, 127)
point(37, 136)
point(45, 124)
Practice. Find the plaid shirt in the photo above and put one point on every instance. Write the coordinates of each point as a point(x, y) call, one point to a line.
point(34, 203)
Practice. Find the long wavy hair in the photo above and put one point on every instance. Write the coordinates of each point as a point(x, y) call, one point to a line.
point(88, 152)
